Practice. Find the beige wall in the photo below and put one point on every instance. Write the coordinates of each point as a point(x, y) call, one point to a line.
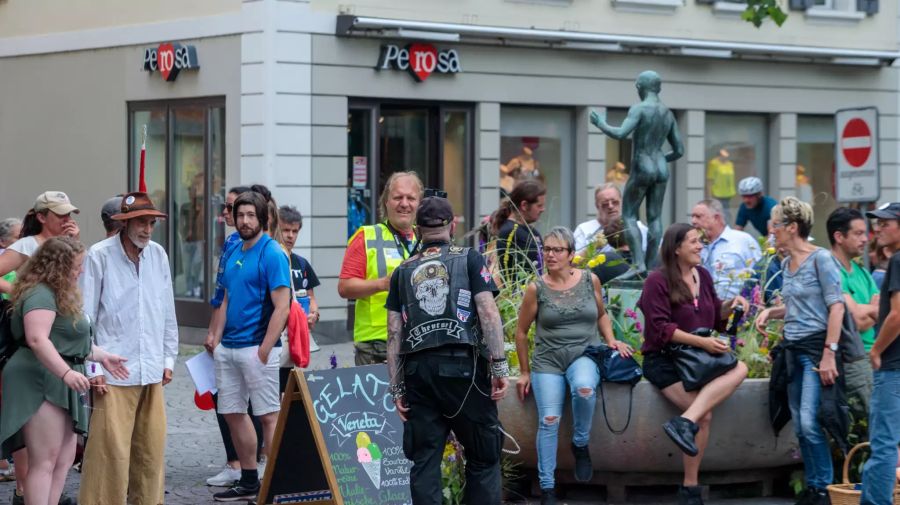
point(64, 120)
point(37, 17)
point(689, 21)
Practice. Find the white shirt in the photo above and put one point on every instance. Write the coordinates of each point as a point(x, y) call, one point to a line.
point(132, 310)
point(733, 253)
point(26, 246)
point(589, 229)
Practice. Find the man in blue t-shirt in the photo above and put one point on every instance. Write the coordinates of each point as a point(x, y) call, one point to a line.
point(756, 207)
point(246, 345)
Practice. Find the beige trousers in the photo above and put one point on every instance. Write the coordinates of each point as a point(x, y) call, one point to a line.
point(125, 453)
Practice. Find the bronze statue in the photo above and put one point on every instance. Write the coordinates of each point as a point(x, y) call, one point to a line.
point(652, 123)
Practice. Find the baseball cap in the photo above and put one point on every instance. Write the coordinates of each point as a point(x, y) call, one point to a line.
point(56, 202)
point(889, 210)
point(110, 208)
point(434, 212)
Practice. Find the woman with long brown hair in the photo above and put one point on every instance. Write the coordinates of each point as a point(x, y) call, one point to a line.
point(44, 382)
point(678, 300)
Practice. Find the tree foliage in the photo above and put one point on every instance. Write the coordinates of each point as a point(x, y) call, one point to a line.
point(758, 10)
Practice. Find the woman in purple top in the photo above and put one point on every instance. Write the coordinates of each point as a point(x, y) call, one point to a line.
point(679, 298)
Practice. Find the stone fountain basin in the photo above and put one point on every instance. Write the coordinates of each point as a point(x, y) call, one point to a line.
point(741, 436)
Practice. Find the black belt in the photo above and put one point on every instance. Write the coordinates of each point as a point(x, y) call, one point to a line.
point(452, 351)
point(75, 360)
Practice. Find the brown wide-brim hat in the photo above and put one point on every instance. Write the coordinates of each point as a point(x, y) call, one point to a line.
point(137, 204)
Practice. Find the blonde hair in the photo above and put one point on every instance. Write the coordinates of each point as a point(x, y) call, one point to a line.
point(389, 184)
point(52, 264)
point(792, 210)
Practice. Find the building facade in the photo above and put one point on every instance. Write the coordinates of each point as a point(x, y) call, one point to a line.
point(322, 100)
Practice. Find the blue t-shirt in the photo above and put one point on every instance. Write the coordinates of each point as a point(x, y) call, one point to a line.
point(249, 277)
point(758, 216)
point(233, 240)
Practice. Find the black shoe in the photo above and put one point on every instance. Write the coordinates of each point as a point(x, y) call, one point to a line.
point(690, 495)
point(67, 500)
point(819, 497)
point(548, 496)
point(805, 496)
point(584, 470)
point(682, 432)
point(17, 499)
point(238, 492)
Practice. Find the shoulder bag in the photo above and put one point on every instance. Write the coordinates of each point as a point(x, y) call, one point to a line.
point(695, 366)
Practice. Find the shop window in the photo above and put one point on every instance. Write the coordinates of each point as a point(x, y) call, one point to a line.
point(736, 147)
point(537, 143)
point(185, 176)
point(815, 169)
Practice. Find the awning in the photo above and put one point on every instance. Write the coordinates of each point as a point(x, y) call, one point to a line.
point(359, 26)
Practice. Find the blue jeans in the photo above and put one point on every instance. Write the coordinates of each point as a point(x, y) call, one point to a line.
point(550, 394)
point(884, 435)
point(803, 397)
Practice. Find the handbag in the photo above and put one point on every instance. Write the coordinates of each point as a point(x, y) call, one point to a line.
point(8, 343)
point(617, 369)
point(695, 366)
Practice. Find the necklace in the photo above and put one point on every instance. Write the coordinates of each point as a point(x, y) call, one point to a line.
point(695, 289)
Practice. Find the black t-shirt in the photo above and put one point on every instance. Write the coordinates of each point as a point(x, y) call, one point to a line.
point(523, 241)
point(480, 280)
point(890, 358)
point(302, 274)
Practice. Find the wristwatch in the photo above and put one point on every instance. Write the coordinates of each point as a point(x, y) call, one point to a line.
point(833, 346)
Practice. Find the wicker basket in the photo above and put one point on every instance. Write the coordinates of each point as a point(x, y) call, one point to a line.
point(844, 494)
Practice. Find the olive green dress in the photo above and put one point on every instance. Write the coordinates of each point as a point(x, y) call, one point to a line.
point(27, 383)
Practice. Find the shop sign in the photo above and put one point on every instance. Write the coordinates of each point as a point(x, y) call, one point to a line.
point(420, 59)
point(856, 155)
point(170, 58)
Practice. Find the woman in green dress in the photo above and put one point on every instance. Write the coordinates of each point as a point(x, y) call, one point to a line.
point(44, 382)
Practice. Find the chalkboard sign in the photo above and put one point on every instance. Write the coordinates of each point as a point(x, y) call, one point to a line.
point(345, 418)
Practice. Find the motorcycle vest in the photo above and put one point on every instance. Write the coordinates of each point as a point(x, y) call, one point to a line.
point(438, 308)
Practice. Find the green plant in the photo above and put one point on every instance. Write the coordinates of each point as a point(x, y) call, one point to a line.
point(453, 472)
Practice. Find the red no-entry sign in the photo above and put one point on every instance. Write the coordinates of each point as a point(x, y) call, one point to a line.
point(856, 155)
point(856, 142)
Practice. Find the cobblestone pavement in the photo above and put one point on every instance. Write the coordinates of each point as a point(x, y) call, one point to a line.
point(194, 448)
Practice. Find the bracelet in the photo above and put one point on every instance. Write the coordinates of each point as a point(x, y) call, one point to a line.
point(63, 376)
point(499, 369)
point(397, 391)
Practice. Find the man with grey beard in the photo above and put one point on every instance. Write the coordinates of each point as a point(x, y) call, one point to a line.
point(128, 296)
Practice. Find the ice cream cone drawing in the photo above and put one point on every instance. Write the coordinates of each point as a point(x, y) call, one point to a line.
point(369, 456)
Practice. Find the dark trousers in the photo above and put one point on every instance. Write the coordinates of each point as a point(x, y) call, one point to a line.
point(437, 385)
point(230, 451)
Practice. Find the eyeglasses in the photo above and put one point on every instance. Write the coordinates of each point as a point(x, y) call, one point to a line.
point(556, 250)
point(228, 207)
point(779, 225)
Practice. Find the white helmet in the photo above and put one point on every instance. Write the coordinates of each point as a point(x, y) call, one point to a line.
point(750, 186)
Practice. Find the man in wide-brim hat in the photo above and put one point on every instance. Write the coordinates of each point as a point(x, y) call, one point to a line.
point(128, 295)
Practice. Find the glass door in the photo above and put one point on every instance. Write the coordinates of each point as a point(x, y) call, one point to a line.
point(185, 176)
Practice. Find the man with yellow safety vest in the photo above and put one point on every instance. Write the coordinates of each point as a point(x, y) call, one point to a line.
point(373, 253)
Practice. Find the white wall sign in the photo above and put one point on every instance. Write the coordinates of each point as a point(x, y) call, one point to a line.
point(419, 59)
point(170, 58)
point(856, 155)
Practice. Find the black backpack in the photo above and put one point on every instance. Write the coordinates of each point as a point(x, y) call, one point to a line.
point(8, 344)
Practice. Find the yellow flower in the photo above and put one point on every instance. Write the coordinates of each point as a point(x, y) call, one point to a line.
point(770, 251)
point(577, 260)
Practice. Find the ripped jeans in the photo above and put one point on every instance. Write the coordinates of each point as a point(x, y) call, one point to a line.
point(550, 395)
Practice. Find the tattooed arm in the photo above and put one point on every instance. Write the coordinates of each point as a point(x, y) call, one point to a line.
point(395, 375)
point(492, 329)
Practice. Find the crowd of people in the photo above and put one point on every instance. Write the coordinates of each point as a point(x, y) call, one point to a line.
point(97, 333)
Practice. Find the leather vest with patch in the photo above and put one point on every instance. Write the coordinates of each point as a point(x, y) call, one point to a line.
point(438, 308)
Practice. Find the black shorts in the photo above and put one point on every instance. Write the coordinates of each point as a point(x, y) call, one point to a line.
point(660, 370)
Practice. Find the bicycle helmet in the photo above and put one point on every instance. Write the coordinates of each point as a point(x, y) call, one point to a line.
point(750, 186)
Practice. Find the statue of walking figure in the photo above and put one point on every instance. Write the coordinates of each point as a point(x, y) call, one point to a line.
point(652, 123)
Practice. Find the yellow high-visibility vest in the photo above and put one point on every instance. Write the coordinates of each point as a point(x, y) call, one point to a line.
point(382, 257)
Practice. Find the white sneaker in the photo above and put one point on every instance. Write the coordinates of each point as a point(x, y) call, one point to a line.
point(225, 478)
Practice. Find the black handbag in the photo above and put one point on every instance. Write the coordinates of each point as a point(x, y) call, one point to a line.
point(695, 366)
point(620, 370)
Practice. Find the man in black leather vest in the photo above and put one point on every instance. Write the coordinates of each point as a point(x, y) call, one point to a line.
point(446, 359)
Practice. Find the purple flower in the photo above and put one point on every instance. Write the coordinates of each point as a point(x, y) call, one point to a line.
point(333, 360)
point(630, 314)
point(638, 327)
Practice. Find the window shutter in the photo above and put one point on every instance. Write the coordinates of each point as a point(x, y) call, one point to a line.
point(800, 5)
point(868, 6)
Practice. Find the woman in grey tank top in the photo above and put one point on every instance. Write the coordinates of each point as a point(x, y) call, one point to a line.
point(566, 305)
